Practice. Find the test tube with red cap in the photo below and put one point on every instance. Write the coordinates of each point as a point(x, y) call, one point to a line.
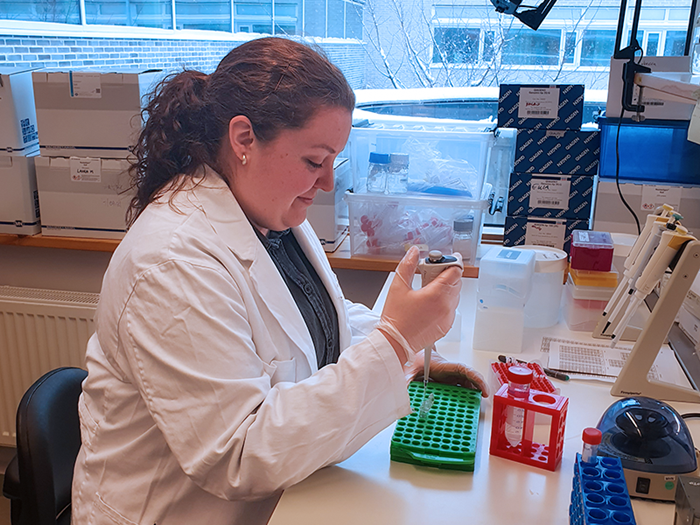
point(519, 379)
point(591, 440)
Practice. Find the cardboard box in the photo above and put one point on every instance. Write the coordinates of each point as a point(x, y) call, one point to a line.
point(532, 106)
point(18, 132)
point(690, 325)
point(19, 201)
point(610, 215)
point(654, 107)
point(90, 114)
point(83, 197)
point(328, 215)
point(555, 233)
point(557, 196)
point(557, 152)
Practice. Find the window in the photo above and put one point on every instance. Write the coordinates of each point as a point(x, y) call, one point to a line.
point(60, 11)
point(653, 44)
point(597, 47)
point(570, 48)
point(675, 43)
point(532, 48)
point(456, 45)
point(143, 13)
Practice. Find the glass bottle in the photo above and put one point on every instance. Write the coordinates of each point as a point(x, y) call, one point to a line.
point(397, 178)
point(378, 171)
point(591, 439)
point(519, 379)
point(462, 239)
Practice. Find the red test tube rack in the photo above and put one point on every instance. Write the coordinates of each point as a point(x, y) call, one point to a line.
point(545, 455)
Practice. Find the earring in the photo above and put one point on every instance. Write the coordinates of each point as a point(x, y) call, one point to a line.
point(244, 160)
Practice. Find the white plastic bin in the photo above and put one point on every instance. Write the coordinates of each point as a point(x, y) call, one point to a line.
point(443, 160)
point(385, 226)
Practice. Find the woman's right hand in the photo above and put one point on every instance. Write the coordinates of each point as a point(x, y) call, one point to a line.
point(417, 318)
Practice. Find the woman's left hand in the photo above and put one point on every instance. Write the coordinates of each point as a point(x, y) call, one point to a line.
point(447, 372)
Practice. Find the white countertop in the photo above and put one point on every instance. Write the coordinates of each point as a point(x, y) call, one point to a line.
point(369, 488)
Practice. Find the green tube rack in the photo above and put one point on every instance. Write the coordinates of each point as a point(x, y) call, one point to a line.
point(446, 438)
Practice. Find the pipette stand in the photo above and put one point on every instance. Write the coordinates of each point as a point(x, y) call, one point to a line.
point(542, 455)
point(633, 379)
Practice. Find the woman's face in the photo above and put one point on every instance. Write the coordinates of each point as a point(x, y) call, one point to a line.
point(280, 178)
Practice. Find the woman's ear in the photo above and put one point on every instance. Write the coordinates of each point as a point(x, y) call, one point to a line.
point(240, 136)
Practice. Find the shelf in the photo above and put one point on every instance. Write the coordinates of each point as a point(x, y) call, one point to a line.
point(676, 87)
point(340, 259)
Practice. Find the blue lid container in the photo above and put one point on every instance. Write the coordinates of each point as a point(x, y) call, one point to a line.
point(380, 158)
point(651, 150)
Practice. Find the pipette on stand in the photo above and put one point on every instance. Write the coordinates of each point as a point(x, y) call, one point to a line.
point(671, 242)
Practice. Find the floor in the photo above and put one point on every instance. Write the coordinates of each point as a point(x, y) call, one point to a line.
point(5, 455)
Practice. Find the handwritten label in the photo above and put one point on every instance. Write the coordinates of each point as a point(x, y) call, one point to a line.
point(550, 193)
point(85, 170)
point(538, 102)
point(85, 85)
point(545, 234)
point(655, 196)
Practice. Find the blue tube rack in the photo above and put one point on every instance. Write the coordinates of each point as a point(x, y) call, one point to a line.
point(599, 495)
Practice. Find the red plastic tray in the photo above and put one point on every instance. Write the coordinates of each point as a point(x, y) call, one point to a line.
point(540, 381)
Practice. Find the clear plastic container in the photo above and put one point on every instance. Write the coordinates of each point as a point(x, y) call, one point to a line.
point(543, 307)
point(430, 147)
point(519, 379)
point(503, 287)
point(386, 226)
point(397, 177)
point(591, 250)
point(583, 305)
point(378, 171)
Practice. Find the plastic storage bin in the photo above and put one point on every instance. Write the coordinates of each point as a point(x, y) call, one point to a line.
point(443, 160)
point(584, 304)
point(651, 150)
point(503, 287)
point(591, 250)
point(385, 226)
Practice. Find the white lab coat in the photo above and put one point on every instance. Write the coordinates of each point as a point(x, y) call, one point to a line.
point(203, 399)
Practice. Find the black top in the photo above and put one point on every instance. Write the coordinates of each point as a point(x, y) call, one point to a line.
point(308, 291)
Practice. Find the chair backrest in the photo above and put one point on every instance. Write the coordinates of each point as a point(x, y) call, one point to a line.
point(48, 440)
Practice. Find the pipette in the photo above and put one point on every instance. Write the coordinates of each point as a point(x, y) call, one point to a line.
point(671, 242)
point(430, 267)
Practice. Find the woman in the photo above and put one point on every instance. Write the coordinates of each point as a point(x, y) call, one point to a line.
point(215, 376)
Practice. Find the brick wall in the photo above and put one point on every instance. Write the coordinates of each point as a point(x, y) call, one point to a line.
point(60, 52)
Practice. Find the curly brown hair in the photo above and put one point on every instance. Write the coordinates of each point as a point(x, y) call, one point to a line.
point(276, 82)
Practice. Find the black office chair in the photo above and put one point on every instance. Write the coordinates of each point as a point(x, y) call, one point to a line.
point(38, 479)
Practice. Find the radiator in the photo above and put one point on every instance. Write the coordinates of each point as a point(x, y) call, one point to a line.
point(39, 330)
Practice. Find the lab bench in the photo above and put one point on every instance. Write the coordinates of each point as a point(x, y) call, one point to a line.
point(339, 259)
point(371, 489)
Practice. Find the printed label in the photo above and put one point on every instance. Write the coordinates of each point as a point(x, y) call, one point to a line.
point(85, 170)
point(655, 196)
point(509, 254)
point(545, 234)
point(550, 193)
point(85, 85)
point(538, 102)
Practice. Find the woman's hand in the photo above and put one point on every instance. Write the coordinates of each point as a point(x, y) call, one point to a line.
point(415, 319)
point(447, 372)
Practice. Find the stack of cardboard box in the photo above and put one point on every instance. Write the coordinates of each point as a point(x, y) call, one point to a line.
point(552, 185)
point(88, 125)
point(19, 142)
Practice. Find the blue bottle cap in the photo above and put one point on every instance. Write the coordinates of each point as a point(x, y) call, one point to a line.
point(380, 158)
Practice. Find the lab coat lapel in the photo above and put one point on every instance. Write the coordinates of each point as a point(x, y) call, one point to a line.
point(307, 239)
point(229, 221)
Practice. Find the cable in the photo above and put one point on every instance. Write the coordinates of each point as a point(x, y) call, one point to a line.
point(690, 414)
point(617, 157)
